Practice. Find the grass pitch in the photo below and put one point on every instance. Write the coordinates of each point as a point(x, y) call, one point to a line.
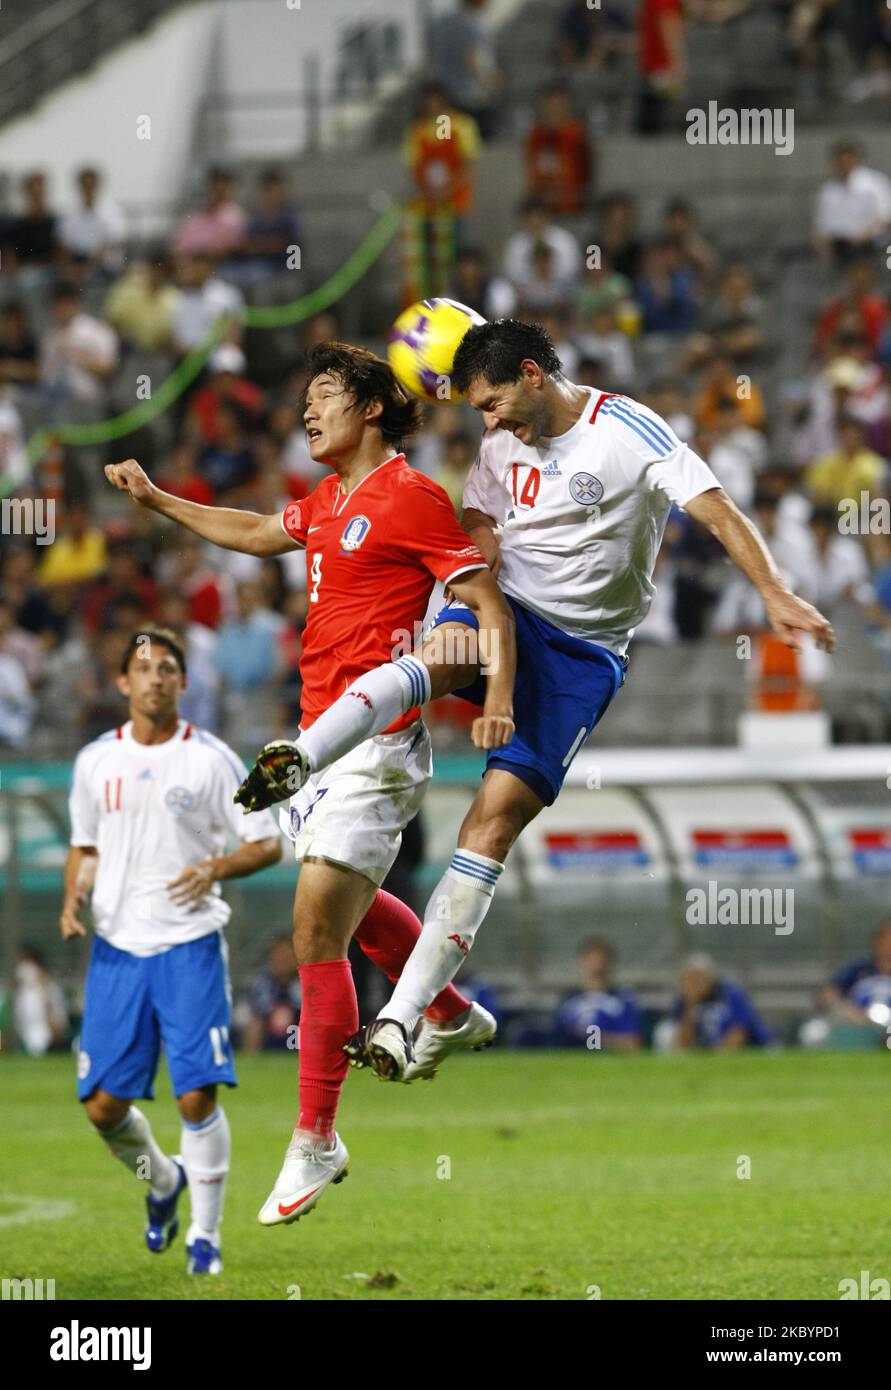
point(512, 1175)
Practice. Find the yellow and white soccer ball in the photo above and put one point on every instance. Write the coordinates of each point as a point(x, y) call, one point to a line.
point(422, 346)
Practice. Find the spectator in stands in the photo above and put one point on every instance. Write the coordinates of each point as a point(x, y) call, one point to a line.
point(493, 296)
point(558, 155)
point(599, 340)
point(17, 642)
point(721, 382)
point(229, 463)
point(711, 1012)
point(868, 30)
point(189, 573)
point(601, 287)
point(19, 361)
point(200, 700)
point(34, 233)
point(600, 1015)
point(458, 458)
point(179, 475)
point(273, 230)
point(31, 606)
point(847, 471)
point(204, 300)
point(78, 553)
point(663, 62)
point(620, 245)
point(847, 385)
point(590, 36)
point(95, 230)
point(732, 322)
point(736, 453)
point(543, 290)
point(840, 569)
point(274, 1001)
point(666, 396)
point(538, 229)
point(246, 652)
point(226, 384)
point(142, 304)
point(440, 148)
point(462, 59)
point(219, 228)
point(78, 354)
point(863, 985)
point(122, 581)
point(16, 701)
point(102, 706)
point(858, 309)
point(692, 252)
point(666, 292)
point(853, 212)
point(39, 1015)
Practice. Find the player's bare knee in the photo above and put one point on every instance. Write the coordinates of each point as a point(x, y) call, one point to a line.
point(316, 940)
point(106, 1111)
point(447, 675)
point(198, 1105)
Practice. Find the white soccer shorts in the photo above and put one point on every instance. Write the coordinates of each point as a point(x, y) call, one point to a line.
point(354, 812)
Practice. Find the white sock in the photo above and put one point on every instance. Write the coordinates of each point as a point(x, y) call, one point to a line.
point(135, 1145)
point(456, 909)
point(366, 708)
point(205, 1148)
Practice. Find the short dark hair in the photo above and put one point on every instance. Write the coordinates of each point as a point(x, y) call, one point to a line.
point(495, 350)
point(164, 636)
point(368, 378)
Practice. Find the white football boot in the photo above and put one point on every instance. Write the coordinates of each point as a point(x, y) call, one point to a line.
point(383, 1045)
point(433, 1044)
point(306, 1172)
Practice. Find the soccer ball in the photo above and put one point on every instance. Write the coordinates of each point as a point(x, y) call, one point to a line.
point(422, 346)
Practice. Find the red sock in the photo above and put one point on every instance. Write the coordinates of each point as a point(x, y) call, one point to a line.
point(329, 1015)
point(387, 934)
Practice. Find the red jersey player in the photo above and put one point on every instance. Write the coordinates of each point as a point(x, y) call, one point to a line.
point(377, 536)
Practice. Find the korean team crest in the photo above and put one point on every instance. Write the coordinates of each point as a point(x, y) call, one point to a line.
point(585, 489)
point(356, 531)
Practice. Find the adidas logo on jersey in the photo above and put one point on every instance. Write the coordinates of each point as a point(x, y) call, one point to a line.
point(552, 470)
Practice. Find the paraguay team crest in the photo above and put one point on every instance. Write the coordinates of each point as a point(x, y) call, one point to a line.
point(585, 489)
point(356, 531)
point(179, 800)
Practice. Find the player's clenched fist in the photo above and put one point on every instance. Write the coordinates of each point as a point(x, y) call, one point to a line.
point(492, 730)
point(130, 477)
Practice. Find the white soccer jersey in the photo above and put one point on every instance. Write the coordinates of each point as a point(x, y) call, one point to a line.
point(582, 515)
point(150, 810)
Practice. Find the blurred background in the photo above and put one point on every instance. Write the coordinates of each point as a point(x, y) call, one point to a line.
point(193, 193)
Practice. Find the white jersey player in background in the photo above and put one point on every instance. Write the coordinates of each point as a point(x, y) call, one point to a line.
point(151, 810)
point(568, 502)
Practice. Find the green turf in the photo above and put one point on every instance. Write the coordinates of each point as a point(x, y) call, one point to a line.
point(567, 1171)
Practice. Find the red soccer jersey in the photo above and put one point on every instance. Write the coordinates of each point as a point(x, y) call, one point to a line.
point(372, 557)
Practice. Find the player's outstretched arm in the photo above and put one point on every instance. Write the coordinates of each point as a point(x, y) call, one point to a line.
point(789, 616)
point(80, 871)
point(250, 532)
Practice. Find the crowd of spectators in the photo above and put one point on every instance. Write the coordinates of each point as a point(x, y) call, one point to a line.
point(709, 1010)
point(660, 309)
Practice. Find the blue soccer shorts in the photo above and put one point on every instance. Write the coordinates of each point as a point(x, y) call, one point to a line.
point(179, 998)
point(563, 688)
